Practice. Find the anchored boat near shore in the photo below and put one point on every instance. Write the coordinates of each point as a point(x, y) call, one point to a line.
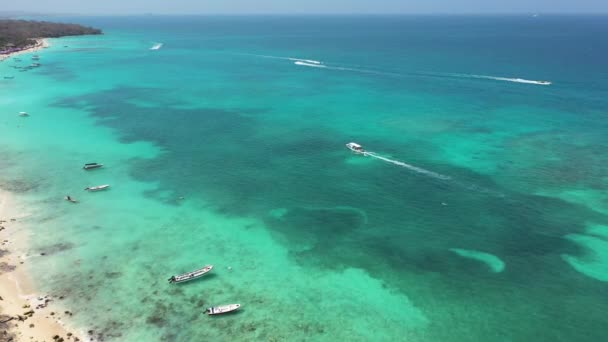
point(191, 275)
point(222, 309)
point(89, 166)
point(98, 188)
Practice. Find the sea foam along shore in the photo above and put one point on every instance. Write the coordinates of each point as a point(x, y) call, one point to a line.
point(24, 314)
point(41, 43)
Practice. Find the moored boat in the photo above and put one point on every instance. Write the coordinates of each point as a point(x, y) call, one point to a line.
point(355, 148)
point(97, 188)
point(89, 166)
point(191, 275)
point(222, 309)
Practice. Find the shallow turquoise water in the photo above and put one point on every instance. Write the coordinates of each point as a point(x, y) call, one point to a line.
point(491, 228)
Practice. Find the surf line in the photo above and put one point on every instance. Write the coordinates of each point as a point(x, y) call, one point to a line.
point(409, 167)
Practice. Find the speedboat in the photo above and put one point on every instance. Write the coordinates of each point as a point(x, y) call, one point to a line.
point(543, 82)
point(191, 275)
point(156, 46)
point(23, 114)
point(98, 188)
point(356, 148)
point(89, 166)
point(218, 310)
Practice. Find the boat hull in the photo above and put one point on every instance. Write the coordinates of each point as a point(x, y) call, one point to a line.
point(224, 309)
point(97, 188)
point(182, 278)
point(92, 166)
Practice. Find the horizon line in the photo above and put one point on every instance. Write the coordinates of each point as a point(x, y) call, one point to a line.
point(26, 13)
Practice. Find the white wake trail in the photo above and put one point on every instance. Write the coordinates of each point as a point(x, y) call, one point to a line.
point(506, 79)
point(313, 65)
point(157, 46)
point(409, 167)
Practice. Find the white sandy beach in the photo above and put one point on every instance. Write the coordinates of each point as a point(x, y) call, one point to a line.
point(25, 315)
point(41, 43)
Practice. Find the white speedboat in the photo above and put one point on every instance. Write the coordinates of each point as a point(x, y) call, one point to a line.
point(356, 148)
point(191, 275)
point(156, 46)
point(23, 114)
point(218, 310)
point(98, 188)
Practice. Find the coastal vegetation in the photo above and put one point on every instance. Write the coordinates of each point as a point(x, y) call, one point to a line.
point(20, 34)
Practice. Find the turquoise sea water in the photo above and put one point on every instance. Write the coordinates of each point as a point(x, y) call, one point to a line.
point(487, 219)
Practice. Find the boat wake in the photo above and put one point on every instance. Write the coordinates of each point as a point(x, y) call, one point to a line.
point(314, 65)
point(293, 59)
point(409, 167)
point(157, 46)
point(318, 64)
point(505, 79)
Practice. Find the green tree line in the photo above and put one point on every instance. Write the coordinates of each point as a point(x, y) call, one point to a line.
point(17, 34)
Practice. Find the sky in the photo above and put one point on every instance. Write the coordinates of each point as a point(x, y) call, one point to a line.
point(303, 6)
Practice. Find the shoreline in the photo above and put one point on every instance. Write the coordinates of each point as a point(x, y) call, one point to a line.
point(25, 314)
point(41, 43)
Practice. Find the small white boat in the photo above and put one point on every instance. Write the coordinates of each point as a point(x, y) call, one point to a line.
point(98, 188)
point(23, 114)
point(156, 46)
point(222, 309)
point(89, 166)
point(191, 275)
point(355, 148)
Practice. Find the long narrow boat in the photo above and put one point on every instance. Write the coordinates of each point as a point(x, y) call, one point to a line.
point(89, 166)
point(98, 188)
point(191, 275)
point(218, 310)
